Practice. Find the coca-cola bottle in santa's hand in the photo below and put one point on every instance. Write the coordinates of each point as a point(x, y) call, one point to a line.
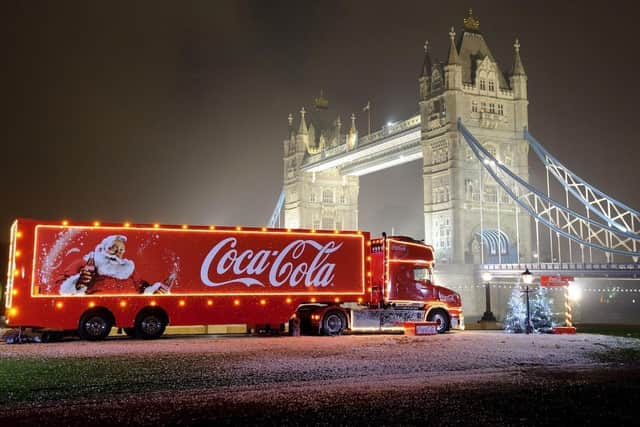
point(87, 274)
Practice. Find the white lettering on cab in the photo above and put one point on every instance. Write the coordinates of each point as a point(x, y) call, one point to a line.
point(283, 271)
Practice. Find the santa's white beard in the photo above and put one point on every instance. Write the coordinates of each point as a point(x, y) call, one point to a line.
point(112, 266)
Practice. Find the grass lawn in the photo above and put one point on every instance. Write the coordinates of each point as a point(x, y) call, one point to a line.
point(629, 331)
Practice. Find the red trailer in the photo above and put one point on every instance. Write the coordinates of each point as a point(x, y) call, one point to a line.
point(88, 278)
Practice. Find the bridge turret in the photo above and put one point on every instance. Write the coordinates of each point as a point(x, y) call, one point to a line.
point(352, 137)
point(453, 69)
point(518, 82)
point(425, 73)
point(302, 138)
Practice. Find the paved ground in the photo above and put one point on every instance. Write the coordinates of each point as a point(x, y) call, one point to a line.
point(470, 378)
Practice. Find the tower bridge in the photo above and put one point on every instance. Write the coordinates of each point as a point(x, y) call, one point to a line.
point(480, 211)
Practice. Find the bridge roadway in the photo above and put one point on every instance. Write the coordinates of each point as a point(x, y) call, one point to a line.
point(575, 269)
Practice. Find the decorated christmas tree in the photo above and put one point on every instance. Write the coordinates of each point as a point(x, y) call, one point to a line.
point(515, 317)
point(541, 313)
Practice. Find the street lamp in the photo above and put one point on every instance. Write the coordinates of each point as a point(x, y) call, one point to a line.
point(488, 315)
point(527, 278)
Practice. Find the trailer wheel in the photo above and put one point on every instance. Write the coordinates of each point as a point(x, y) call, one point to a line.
point(95, 325)
point(150, 324)
point(333, 323)
point(441, 318)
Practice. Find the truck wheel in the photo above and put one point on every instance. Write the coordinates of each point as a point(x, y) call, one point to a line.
point(441, 318)
point(150, 324)
point(333, 323)
point(95, 325)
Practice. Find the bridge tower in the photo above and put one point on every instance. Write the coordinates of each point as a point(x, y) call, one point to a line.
point(468, 218)
point(324, 200)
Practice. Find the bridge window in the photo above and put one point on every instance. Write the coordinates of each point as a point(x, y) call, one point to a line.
point(327, 223)
point(483, 107)
point(492, 150)
point(483, 85)
point(316, 225)
point(474, 106)
point(312, 197)
point(491, 86)
point(501, 109)
point(343, 199)
point(338, 225)
point(327, 196)
point(492, 108)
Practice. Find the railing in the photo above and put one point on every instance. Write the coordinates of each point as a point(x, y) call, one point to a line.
point(563, 266)
point(390, 130)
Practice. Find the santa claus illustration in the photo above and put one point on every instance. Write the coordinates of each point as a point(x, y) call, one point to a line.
point(106, 271)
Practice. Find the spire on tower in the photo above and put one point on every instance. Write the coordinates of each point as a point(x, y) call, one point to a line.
point(453, 52)
point(426, 64)
point(353, 122)
point(471, 23)
point(518, 68)
point(290, 119)
point(303, 123)
point(321, 103)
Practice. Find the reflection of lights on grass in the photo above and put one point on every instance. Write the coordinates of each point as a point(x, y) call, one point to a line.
point(575, 293)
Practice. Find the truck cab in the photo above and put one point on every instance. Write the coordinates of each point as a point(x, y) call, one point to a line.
point(402, 278)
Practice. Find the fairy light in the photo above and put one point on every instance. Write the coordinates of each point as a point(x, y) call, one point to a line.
point(313, 300)
point(65, 223)
point(182, 303)
point(59, 305)
point(263, 302)
point(92, 304)
point(238, 228)
point(156, 225)
point(185, 226)
point(288, 300)
point(96, 223)
point(209, 302)
point(236, 302)
point(153, 303)
point(127, 224)
point(212, 227)
point(123, 303)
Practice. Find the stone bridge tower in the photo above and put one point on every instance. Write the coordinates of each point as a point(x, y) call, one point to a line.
point(319, 200)
point(493, 105)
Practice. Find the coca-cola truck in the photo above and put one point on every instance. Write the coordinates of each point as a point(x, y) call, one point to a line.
point(88, 278)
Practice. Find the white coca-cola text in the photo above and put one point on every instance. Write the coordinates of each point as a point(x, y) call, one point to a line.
point(285, 267)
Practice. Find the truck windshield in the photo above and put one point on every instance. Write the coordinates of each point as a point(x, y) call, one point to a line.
point(422, 273)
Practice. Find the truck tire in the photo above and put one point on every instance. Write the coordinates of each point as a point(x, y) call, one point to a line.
point(334, 322)
point(150, 324)
point(95, 325)
point(441, 318)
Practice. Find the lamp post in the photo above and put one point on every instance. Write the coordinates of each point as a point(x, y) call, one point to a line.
point(527, 278)
point(488, 315)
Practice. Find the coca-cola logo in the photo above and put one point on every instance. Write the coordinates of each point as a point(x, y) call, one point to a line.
point(285, 267)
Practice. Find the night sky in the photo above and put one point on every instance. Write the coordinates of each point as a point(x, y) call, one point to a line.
point(175, 112)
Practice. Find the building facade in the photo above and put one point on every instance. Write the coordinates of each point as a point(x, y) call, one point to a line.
point(319, 200)
point(468, 217)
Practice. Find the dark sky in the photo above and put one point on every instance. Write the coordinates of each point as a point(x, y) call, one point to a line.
point(175, 112)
